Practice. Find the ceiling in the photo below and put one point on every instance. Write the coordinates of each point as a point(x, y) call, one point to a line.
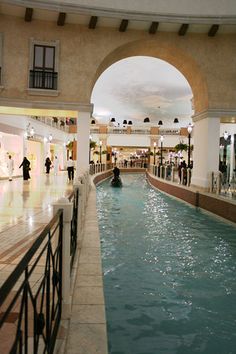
point(95, 14)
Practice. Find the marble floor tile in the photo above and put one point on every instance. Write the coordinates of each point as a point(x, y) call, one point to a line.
point(88, 314)
point(86, 339)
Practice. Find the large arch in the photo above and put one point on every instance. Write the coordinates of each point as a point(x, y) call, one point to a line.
point(173, 55)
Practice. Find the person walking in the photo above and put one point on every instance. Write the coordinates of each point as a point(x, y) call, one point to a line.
point(48, 163)
point(70, 168)
point(56, 165)
point(10, 166)
point(26, 168)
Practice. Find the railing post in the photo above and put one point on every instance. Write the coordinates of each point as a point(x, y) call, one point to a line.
point(67, 207)
point(182, 175)
point(211, 181)
point(172, 173)
point(81, 212)
point(161, 171)
point(165, 172)
point(218, 182)
point(188, 177)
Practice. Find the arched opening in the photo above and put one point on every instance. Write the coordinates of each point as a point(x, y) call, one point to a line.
point(150, 93)
point(144, 90)
point(175, 56)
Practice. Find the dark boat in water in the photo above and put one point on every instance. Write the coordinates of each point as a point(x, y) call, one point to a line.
point(116, 182)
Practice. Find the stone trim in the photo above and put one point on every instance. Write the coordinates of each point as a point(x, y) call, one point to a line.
point(214, 204)
point(74, 106)
point(41, 92)
point(214, 113)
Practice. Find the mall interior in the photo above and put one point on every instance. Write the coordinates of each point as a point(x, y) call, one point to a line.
point(52, 53)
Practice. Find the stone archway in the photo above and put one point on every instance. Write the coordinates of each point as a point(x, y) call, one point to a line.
point(181, 60)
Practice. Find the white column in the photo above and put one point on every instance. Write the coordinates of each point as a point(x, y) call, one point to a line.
point(24, 150)
point(67, 207)
point(206, 150)
point(83, 124)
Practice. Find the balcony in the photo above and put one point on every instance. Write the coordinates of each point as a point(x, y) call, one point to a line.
point(45, 80)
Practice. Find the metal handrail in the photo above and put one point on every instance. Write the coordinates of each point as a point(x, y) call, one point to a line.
point(45, 301)
point(41, 79)
point(74, 198)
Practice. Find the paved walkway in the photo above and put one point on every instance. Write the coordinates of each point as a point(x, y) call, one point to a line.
point(25, 209)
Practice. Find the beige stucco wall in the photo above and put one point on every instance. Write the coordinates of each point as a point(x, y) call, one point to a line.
point(209, 64)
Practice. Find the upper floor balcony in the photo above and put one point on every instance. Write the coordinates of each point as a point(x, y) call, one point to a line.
point(46, 80)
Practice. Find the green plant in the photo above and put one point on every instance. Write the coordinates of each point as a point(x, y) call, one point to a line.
point(181, 147)
point(93, 144)
point(70, 145)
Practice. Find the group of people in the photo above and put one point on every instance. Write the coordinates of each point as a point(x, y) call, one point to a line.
point(70, 167)
point(25, 164)
point(48, 164)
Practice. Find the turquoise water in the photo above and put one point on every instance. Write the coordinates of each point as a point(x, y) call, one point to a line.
point(169, 273)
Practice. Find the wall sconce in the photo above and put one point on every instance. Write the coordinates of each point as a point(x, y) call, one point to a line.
point(176, 120)
point(160, 122)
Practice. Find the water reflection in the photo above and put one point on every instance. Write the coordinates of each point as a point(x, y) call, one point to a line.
point(169, 273)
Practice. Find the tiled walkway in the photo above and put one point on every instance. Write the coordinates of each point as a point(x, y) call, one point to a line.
point(25, 208)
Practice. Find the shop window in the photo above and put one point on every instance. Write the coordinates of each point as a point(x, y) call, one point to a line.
point(43, 74)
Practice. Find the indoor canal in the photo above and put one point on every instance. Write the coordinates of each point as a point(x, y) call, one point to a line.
point(169, 273)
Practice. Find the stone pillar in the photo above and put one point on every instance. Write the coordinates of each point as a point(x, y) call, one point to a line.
point(206, 150)
point(83, 130)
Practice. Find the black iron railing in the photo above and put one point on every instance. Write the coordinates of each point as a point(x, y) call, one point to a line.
point(74, 198)
point(43, 79)
point(31, 297)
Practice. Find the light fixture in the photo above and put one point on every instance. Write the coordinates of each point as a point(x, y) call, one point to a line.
point(100, 151)
point(176, 120)
point(130, 122)
point(93, 121)
point(162, 138)
point(32, 131)
point(190, 128)
point(226, 135)
point(113, 119)
point(29, 133)
point(160, 122)
point(154, 153)
point(124, 121)
point(50, 137)
point(146, 120)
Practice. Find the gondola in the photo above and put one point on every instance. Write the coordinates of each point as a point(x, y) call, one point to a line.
point(116, 182)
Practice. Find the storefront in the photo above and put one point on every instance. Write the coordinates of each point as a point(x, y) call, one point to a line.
point(10, 144)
